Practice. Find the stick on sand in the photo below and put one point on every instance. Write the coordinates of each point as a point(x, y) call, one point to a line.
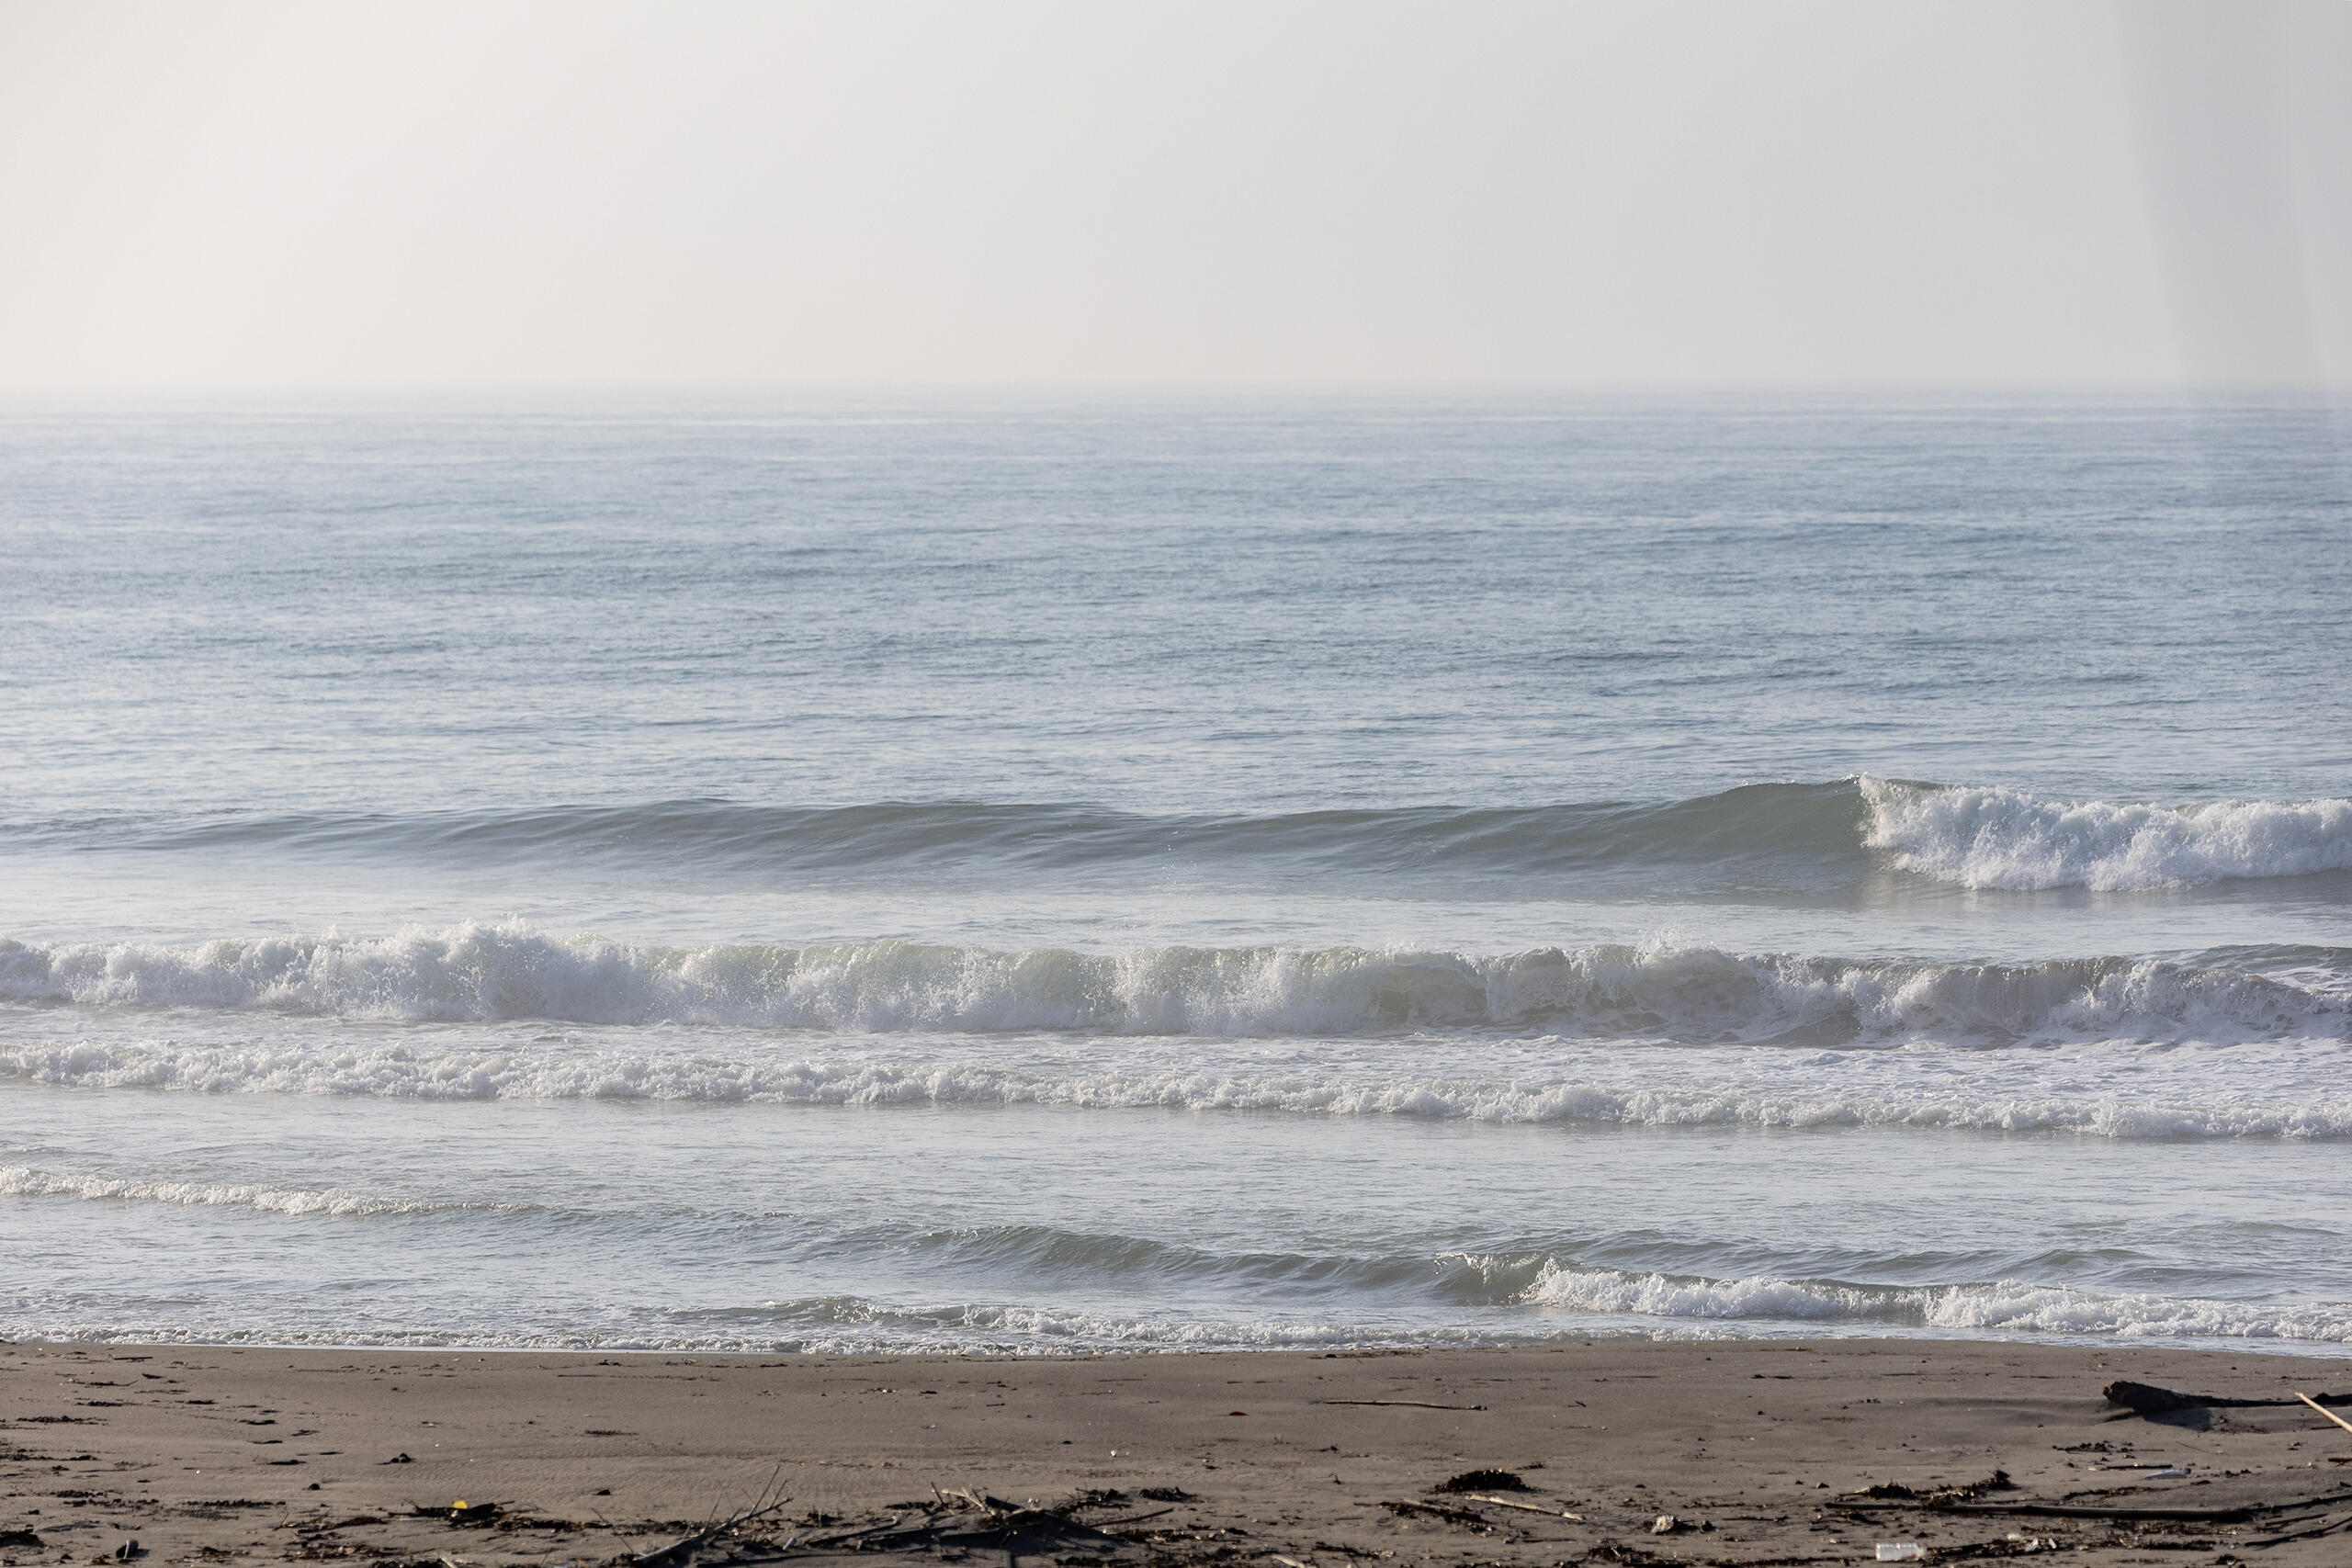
point(1417, 1404)
point(1525, 1508)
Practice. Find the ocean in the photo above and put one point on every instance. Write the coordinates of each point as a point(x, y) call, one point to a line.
point(1039, 872)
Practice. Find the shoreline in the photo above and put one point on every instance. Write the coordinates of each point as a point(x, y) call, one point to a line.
point(1761, 1451)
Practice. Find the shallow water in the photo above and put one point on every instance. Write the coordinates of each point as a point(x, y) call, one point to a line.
point(1040, 874)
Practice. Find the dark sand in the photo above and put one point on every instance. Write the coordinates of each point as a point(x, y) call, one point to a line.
point(1756, 1449)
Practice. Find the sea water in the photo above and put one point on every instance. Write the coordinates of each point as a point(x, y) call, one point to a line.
point(845, 872)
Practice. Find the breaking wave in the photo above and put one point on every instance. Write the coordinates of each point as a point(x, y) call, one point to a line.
point(2003, 838)
point(1698, 995)
point(1567, 1303)
point(2005, 1306)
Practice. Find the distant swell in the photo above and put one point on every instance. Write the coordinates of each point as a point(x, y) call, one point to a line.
point(1805, 822)
point(1778, 834)
point(1698, 995)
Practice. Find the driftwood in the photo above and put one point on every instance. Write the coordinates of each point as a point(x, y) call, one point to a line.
point(1417, 1404)
point(1524, 1507)
point(1006, 1527)
point(2055, 1511)
point(2302, 1535)
point(1130, 1519)
point(2238, 1515)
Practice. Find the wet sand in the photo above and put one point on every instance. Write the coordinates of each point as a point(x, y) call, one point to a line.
point(1759, 1453)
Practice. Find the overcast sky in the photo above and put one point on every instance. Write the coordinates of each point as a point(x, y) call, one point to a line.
point(1814, 192)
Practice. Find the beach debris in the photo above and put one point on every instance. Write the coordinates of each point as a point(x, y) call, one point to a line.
point(2076, 1511)
point(2147, 1399)
point(1416, 1403)
point(1165, 1493)
point(129, 1549)
point(1093, 1498)
point(1618, 1552)
point(1009, 1527)
point(1524, 1507)
point(1937, 1496)
point(1437, 1511)
point(1126, 1519)
point(2315, 1405)
point(1667, 1524)
point(680, 1550)
point(1900, 1550)
point(2324, 1527)
point(1482, 1481)
point(20, 1538)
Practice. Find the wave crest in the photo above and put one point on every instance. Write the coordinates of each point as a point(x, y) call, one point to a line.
point(1993, 837)
point(1700, 994)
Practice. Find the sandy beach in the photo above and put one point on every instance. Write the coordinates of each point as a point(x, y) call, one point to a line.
point(1756, 1452)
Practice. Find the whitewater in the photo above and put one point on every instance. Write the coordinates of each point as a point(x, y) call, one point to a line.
point(737, 872)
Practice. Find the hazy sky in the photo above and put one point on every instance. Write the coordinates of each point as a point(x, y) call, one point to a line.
point(1808, 192)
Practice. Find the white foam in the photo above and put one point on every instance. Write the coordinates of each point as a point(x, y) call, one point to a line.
point(26, 1181)
point(1564, 1301)
point(2007, 1307)
point(842, 1325)
point(490, 973)
point(2290, 1090)
point(1993, 838)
